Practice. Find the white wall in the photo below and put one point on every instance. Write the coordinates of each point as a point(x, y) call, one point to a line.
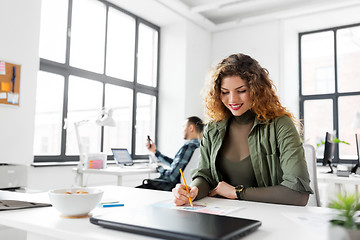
point(197, 65)
point(185, 54)
point(19, 30)
point(172, 87)
point(260, 41)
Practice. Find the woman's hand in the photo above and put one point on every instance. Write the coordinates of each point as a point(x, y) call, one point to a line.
point(224, 189)
point(181, 196)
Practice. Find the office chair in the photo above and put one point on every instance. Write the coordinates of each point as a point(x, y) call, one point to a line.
point(310, 157)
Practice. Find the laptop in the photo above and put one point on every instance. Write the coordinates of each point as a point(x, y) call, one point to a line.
point(176, 224)
point(122, 157)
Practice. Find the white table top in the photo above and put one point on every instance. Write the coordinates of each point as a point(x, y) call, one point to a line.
point(121, 171)
point(325, 177)
point(278, 221)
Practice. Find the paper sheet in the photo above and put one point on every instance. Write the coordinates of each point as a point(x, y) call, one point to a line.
point(200, 207)
point(317, 223)
point(2, 68)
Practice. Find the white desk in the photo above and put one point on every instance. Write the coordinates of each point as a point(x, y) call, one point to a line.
point(116, 171)
point(339, 182)
point(46, 223)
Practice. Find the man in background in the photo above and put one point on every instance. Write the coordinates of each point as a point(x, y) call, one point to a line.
point(193, 128)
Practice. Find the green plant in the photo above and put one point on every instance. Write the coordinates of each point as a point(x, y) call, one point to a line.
point(335, 140)
point(347, 206)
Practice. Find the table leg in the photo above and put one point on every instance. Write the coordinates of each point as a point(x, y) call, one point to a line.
point(357, 189)
point(81, 179)
point(338, 187)
point(119, 180)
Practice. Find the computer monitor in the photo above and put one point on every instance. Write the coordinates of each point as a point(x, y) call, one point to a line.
point(354, 169)
point(328, 151)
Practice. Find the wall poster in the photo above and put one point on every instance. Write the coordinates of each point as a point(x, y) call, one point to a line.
point(9, 83)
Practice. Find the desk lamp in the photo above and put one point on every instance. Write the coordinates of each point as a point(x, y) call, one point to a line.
point(104, 118)
point(356, 125)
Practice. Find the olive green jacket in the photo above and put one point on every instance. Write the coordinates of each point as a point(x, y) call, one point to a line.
point(277, 155)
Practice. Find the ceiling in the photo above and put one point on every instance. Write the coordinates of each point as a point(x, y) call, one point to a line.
point(215, 15)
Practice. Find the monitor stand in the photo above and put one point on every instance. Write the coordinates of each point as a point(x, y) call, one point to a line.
point(331, 169)
point(353, 170)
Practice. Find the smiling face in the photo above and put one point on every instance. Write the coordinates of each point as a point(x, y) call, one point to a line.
point(235, 95)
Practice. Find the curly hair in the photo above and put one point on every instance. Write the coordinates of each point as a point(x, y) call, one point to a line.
point(265, 102)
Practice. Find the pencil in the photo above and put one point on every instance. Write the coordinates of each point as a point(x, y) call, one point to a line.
point(187, 189)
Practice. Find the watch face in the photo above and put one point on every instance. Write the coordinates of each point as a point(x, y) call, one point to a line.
point(238, 190)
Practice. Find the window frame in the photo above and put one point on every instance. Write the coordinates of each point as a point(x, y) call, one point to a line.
point(331, 96)
point(65, 70)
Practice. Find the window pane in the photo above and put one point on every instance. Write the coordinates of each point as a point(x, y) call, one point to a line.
point(147, 56)
point(85, 101)
point(120, 101)
point(318, 119)
point(48, 114)
point(120, 46)
point(145, 121)
point(53, 30)
point(88, 35)
point(348, 106)
point(317, 63)
point(348, 46)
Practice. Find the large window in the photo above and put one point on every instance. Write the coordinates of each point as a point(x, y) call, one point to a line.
point(94, 55)
point(330, 87)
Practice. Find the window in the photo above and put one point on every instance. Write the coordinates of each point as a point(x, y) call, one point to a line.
point(330, 87)
point(94, 55)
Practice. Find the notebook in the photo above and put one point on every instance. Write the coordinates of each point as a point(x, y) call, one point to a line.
point(176, 224)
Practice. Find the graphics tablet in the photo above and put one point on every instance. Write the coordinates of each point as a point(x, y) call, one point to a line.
point(176, 224)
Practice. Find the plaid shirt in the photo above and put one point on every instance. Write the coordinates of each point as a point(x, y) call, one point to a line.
point(180, 160)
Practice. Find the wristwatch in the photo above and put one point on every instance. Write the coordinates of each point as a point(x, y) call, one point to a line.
point(239, 189)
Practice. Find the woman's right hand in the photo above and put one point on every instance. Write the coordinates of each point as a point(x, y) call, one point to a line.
point(181, 196)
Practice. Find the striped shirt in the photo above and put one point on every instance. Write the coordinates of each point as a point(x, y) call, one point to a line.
point(180, 160)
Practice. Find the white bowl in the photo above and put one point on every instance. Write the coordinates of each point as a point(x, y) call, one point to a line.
point(75, 202)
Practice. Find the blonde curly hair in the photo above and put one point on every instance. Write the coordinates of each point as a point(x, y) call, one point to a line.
point(265, 102)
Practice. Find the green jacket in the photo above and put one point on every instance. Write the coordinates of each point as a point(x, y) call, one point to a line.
point(277, 155)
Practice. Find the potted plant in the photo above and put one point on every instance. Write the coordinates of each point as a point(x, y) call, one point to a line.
point(344, 226)
point(335, 140)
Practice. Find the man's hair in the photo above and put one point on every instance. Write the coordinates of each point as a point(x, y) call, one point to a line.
point(198, 123)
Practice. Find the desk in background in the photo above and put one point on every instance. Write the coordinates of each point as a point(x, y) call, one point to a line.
point(279, 222)
point(339, 182)
point(116, 171)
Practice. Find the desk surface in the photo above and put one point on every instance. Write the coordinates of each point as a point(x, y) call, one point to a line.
point(116, 170)
point(278, 221)
point(325, 177)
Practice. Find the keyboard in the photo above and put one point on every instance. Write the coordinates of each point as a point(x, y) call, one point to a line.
point(343, 173)
point(137, 166)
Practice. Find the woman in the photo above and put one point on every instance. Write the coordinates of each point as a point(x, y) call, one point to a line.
point(251, 149)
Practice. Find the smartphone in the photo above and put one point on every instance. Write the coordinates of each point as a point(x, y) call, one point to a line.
point(148, 139)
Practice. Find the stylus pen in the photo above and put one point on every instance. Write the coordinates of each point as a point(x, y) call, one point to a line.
point(112, 205)
point(187, 189)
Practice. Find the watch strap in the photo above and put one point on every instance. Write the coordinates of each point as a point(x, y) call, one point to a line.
point(239, 189)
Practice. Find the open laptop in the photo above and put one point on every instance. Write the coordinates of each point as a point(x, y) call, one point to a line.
point(176, 224)
point(122, 157)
